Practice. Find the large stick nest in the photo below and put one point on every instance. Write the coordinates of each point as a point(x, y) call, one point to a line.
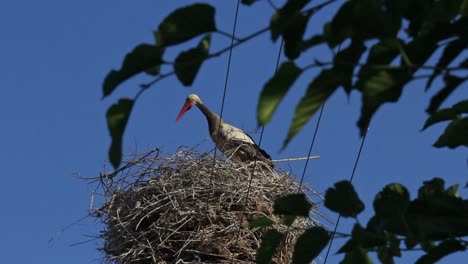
point(189, 208)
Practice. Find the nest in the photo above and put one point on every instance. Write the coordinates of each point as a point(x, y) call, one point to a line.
point(189, 208)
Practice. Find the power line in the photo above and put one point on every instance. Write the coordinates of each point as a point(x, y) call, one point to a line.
point(312, 142)
point(350, 180)
point(261, 136)
point(263, 127)
point(225, 87)
point(352, 174)
point(255, 160)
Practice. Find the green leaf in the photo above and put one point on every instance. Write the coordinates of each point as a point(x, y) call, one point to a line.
point(451, 83)
point(387, 85)
point(386, 253)
point(447, 204)
point(281, 21)
point(364, 238)
point(261, 221)
point(358, 255)
point(446, 114)
point(288, 220)
point(426, 245)
point(381, 53)
point(432, 188)
point(454, 135)
point(444, 11)
point(429, 226)
point(275, 90)
point(367, 238)
point(340, 27)
point(464, 64)
point(384, 86)
point(372, 20)
point(452, 191)
point(345, 61)
point(319, 90)
point(270, 241)
point(394, 245)
point(404, 56)
point(464, 8)
point(154, 71)
point(343, 199)
point(117, 117)
point(311, 42)
point(391, 205)
point(374, 80)
point(364, 19)
point(293, 36)
point(445, 248)
point(186, 23)
point(188, 63)
point(309, 245)
point(399, 7)
point(422, 48)
point(142, 58)
point(451, 51)
point(375, 225)
point(292, 204)
point(248, 2)
point(437, 213)
point(392, 201)
point(415, 14)
point(350, 245)
point(440, 116)
point(461, 107)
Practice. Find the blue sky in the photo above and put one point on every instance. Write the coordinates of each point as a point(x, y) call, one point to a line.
point(53, 58)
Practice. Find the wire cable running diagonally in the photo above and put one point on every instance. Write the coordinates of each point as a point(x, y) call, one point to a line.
point(312, 142)
point(225, 87)
point(350, 180)
point(255, 161)
point(261, 135)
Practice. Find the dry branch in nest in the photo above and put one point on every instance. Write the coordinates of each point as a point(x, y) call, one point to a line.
point(186, 208)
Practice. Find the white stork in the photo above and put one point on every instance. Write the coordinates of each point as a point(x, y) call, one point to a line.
point(232, 141)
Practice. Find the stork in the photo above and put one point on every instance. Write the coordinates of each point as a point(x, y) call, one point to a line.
point(232, 141)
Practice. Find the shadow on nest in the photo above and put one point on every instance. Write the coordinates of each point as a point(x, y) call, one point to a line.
point(179, 208)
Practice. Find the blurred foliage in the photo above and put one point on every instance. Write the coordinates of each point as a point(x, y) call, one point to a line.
point(397, 37)
point(378, 47)
point(437, 221)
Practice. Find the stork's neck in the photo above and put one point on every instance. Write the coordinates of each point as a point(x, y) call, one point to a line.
point(213, 119)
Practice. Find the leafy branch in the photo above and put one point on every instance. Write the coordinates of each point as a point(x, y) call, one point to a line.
point(190, 22)
point(375, 60)
point(186, 64)
point(397, 219)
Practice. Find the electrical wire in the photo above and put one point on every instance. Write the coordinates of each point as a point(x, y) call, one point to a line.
point(350, 180)
point(312, 142)
point(255, 160)
point(225, 88)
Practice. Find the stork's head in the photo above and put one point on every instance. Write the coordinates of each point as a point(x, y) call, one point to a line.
point(191, 100)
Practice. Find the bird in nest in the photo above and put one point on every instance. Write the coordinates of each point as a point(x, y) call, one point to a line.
point(232, 141)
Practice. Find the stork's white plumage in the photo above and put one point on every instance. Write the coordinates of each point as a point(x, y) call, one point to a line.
point(232, 141)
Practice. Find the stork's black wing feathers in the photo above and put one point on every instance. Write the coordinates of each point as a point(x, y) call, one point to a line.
point(258, 148)
point(264, 153)
point(246, 152)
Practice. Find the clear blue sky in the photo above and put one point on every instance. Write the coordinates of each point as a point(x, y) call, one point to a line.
point(53, 58)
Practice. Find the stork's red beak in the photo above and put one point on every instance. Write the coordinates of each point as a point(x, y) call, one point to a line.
point(184, 109)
